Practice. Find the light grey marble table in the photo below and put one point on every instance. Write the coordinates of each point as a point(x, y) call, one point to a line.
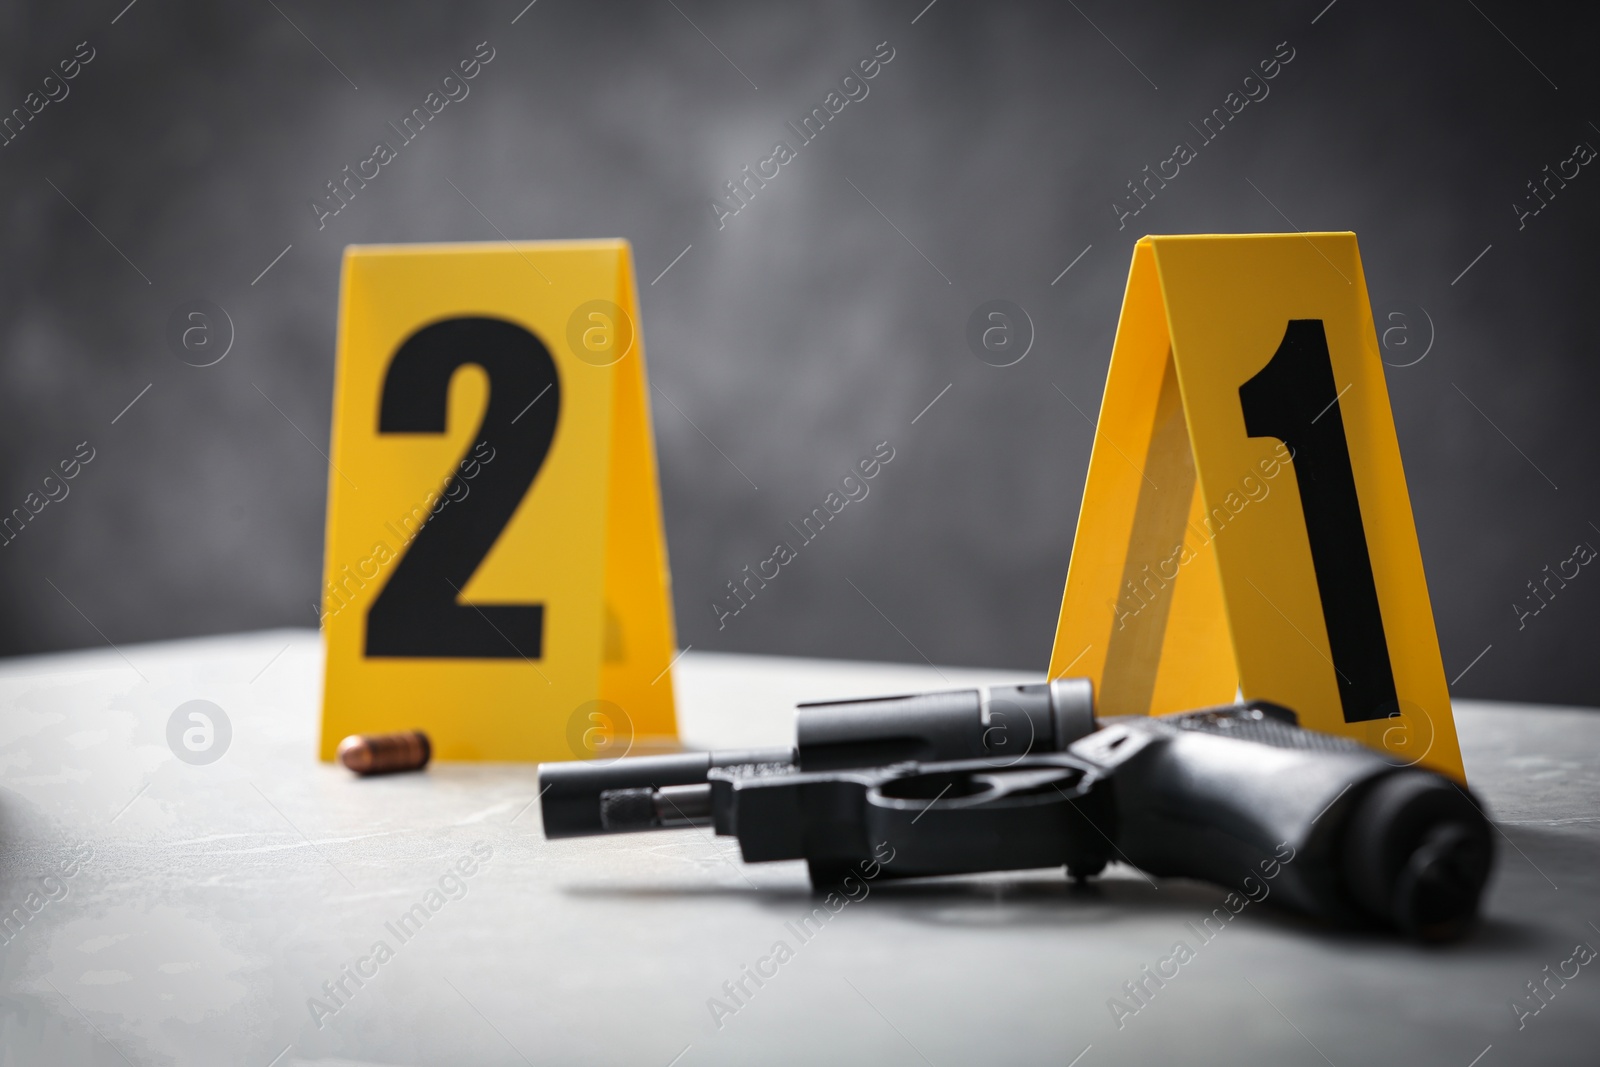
point(163, 913)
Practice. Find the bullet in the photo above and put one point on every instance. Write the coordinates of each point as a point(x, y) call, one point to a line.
point(385, 753)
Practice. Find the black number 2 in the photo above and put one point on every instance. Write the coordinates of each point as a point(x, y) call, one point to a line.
point(1294, 398)
point(419, 613)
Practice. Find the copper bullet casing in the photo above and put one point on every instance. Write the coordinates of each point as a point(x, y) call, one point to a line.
point(385, 753)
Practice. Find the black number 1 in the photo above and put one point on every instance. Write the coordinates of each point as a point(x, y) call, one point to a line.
point(1294, 398)
point(418, 613)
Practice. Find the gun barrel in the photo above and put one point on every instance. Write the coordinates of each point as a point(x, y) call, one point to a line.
point(1002, 724)
point(580, 799)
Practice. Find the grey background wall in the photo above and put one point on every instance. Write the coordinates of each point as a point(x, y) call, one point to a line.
point(808, 327)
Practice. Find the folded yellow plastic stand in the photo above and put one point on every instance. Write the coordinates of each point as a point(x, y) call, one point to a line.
point(1245, 524)
point(496, 572)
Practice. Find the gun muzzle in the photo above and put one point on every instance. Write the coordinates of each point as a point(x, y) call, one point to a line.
point(586, 797)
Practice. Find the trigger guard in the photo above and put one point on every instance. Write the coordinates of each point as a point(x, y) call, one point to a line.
point(977, 817)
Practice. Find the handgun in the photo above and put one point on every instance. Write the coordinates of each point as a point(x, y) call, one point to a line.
point(1019, 777)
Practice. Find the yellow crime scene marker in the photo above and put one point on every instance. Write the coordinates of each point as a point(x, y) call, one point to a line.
point(1245, 523)
point(496, 573)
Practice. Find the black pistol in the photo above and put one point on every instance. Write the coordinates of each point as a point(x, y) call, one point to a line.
point(1016, 777)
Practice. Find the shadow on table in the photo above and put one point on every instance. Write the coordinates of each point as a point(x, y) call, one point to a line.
point(1050, 901)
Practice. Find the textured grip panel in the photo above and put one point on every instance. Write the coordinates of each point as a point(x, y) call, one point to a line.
point(622, 810)
point(1252, 725)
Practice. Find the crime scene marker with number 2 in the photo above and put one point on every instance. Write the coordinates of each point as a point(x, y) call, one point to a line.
point(495, 560)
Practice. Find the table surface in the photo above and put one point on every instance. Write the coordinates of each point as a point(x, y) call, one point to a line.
point(192, 914)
